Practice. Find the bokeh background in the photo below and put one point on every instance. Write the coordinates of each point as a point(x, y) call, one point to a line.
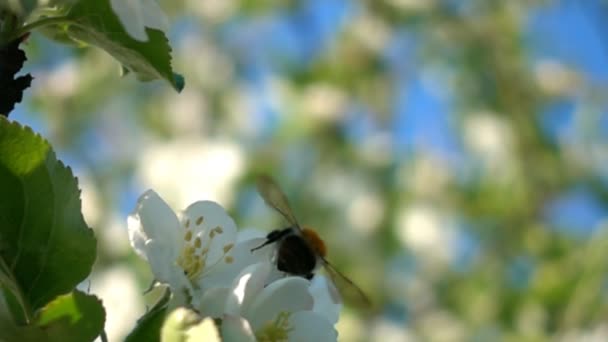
point(452, 153)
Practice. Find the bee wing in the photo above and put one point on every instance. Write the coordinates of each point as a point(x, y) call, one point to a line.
point(347, 289)
point(275, 198)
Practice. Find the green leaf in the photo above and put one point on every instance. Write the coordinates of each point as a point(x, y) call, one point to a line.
point(45, 245)
point(72, 317)
point(11, 331)
point(149, 325)
point(59, 33)
point(95, 23)
point(11, 293)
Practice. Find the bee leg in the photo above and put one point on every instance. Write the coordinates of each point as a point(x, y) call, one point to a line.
point(273, 236)
point(262, 245)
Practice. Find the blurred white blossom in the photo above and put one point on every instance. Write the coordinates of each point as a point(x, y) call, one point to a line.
point(61, 81)
point(365, 212)
point(324, 102)
point(91, 206)
point(555, 78)
point(371, 30)
point(113, 238)
point(213, 10)
point(427, 176)
point(491, 138)
point(387, 330)
point(119, 291)
point(427, 232)
point(413, 5)
point(182, 170)
point(452, 328)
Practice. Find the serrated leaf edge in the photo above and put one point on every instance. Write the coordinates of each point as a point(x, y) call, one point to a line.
point(50, 157)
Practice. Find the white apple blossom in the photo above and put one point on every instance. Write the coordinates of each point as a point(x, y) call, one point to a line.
point(136, 15)
point(195, 253)
point(283, 310)
point(211, 267)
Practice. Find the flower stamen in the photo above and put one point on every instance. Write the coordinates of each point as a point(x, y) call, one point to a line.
point(189, 260)
point(277, 330)
point(228, 247)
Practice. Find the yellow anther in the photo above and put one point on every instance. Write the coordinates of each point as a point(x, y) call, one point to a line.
point(188, 236)
point(228, 247)
point(275, 331)
point(199, 221)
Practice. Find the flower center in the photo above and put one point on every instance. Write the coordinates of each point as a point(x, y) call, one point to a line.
point(191, 261)
point(277, 330)
point(193, 256)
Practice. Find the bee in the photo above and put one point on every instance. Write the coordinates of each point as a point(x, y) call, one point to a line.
point(300, 250)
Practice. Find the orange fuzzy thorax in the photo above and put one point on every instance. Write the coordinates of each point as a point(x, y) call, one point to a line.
point(314, 241)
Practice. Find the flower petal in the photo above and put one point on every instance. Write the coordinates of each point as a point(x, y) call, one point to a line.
point(137, 237)
point(284, 295)
point(160, 262)
point(321, 290)
point(210, 222)
point(169, 273)
point(213, 302)
point(153, 219)
point(246, 287)
point(229, 267)
point(309, 326)
point(181, 295)
point(249, 234)
point(236, 328)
